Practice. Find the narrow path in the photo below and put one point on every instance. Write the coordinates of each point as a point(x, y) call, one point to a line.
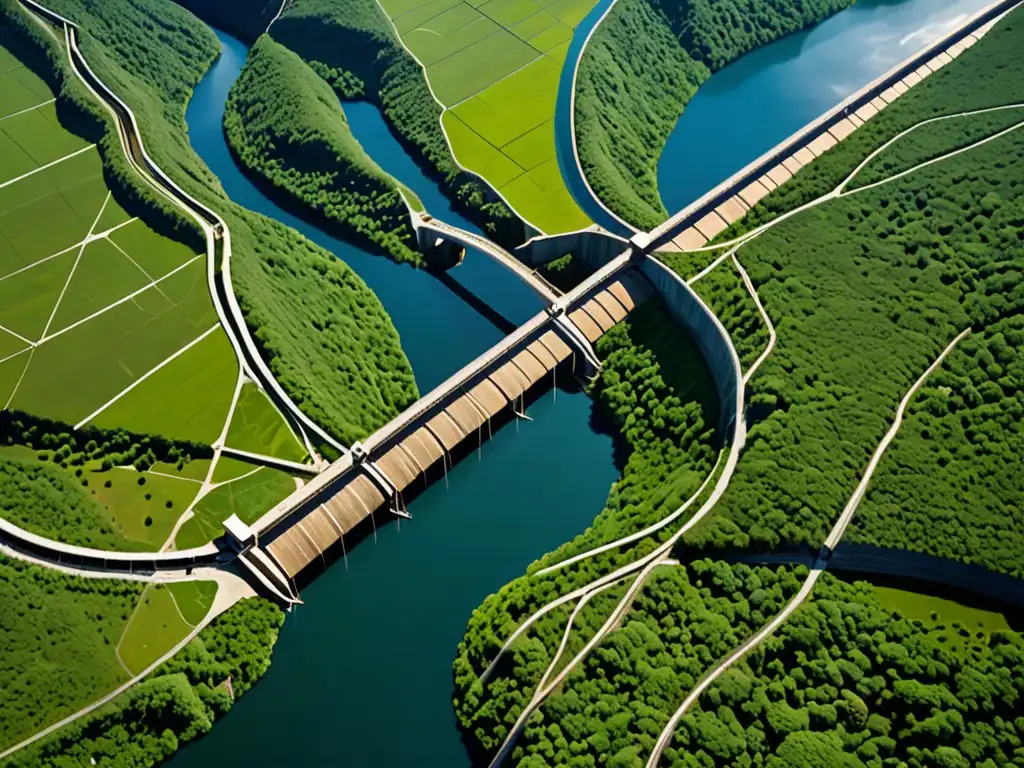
point(819, 566)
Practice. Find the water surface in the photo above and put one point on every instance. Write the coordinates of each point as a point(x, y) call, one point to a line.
point(361, 675)
point(754, 103)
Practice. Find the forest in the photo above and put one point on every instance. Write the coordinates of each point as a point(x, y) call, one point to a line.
point(320, 329)
point(352, 44)
point(952, 483)
point(284, 124)
point(180, 701)
point(656, 391)
point(844, 683)
point(864, 291)
point(640, 69)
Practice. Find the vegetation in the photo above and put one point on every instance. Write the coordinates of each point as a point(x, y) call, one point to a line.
point(725, 294)
point(59, 638)
point(989, 74)
point(656, 391)
point(285, 125)
point(180, 702)
point(613, 706)
point(641, 68)
point(353, 46)
point(322, 332)
point(156, 626)
point(258, 427)
point(949, 484)
point(847, 683)
point(248, 496)
point(245, 19)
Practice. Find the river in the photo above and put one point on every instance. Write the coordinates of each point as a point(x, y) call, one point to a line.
point(746, 108)
point(361, 674)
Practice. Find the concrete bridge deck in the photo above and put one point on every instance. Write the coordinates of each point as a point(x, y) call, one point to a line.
point(316, 518)
point(703, 220)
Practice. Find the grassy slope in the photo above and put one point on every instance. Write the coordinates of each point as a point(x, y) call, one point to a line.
point(352, 44)
point(321, 330)
point(285, 125)
point(643, 65)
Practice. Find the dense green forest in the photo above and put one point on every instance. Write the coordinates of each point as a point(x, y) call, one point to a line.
point(178, 703)
point(655, 389)
point(641, 68)
point(284, 124)
point(59, 631)
point(844, 683)
point(245, 19)
point(952, 483)
point(322, 332)
point(864, 292)
point(353, 45)
point(723, 291)
point(989, 74)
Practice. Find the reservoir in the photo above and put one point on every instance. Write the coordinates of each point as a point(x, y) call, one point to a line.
point(751, 105)
point(361, 675)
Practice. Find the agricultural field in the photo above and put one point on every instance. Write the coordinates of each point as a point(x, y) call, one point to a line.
point(495, 67)
point(95, 305)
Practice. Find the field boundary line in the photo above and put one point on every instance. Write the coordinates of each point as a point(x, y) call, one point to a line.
point(17, 335)
point(145, 376)
point(440, 121)
point(168, 474)
point(119, 302)
point(31, 353)
point(29, 109)
point(138, 266)
point(83, 241)
point(15, 354)
point(74, 267)
point(33, 172)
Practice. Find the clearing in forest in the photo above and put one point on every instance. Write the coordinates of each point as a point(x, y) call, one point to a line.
point(495, 66)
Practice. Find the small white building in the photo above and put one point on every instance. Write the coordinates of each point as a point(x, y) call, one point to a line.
point(240, 535)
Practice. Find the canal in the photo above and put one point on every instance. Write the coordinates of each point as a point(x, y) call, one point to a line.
point(362, 672)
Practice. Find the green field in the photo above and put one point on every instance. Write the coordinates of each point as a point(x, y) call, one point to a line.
point(144, 512)
point(248, 497)
point(935, 610)
point(495, 67)
point(91, 300)
point(257, 426)
point(159, 621)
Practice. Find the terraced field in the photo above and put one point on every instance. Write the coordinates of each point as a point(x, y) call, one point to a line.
point(495, 66)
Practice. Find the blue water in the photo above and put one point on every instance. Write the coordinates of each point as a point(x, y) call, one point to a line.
point(563, 129)
point(751, 105)
point(361, 675)
point(440, 331)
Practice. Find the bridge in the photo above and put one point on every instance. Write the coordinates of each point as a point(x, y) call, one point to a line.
point(700, 222)
point(430, 232)
point(427, 438)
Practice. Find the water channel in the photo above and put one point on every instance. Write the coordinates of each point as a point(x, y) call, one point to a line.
point(362, 672)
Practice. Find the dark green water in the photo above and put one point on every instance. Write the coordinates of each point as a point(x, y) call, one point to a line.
point(362, 673)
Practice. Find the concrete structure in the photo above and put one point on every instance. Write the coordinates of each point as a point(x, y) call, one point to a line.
point(318, 517)
point(700, 222)
point(430, 232)
point(594, 245)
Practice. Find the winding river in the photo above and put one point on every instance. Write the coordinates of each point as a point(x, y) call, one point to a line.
point(361, 675)
point(362, 672)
